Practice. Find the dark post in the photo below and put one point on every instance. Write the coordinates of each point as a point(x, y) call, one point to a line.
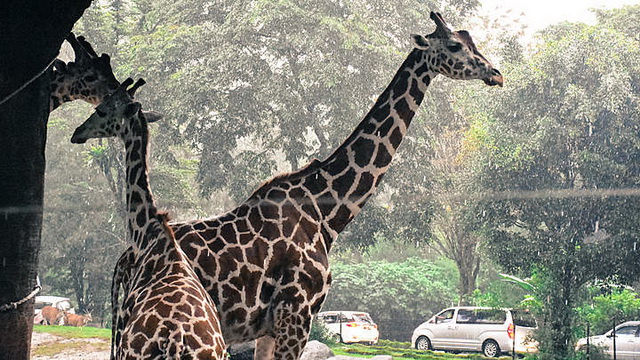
point(513, 349)
point(614, 338)
point(340, 322)
point(588, 341)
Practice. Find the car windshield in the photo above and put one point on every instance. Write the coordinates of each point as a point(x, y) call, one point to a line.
point(363, 318)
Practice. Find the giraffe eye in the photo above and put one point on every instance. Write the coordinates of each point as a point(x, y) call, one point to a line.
point(454, 46)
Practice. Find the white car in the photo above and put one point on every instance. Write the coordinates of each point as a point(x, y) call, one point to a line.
point(350, 326)
point(491, 331)
point(627, 341)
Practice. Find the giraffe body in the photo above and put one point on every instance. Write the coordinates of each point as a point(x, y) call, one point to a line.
point(89, 77)
point(166, 313)
point(265, 263)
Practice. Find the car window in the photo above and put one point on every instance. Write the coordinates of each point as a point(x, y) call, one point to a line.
point(466, 316)
point(490, 316)
point(329, 319)
point(523, 318)
point(445, 316)
point(627, 331)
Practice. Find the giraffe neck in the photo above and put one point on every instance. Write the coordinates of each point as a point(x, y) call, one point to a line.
point(354, 170)
point(142, 212)
point(69, 86)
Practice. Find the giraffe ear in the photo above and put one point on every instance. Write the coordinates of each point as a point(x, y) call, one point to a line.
point(419, 42)
point(132, 109)
point(59, 65)
point(152, 116)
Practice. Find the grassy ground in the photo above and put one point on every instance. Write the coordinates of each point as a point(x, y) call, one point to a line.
point(400, 351)
point(62, 347)
point(75, 340)
point(71, 332)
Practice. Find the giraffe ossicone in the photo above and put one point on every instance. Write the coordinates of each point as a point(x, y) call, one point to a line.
point(165, 312)
point(89, 77)
point(265, 263)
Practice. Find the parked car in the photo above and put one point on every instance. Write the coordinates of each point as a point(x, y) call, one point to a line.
point(350, 326)
point(58, 302)
point(627, 341)
point(491, 331)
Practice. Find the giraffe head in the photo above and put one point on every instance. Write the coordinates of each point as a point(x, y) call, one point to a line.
point(453, 54)
point(89, 77)
point(119, 115)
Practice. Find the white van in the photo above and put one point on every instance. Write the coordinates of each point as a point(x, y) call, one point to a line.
point(491, 331)
point(350, 326)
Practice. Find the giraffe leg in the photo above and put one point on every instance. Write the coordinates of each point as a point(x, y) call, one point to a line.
point(265, 348)
point(292, 333)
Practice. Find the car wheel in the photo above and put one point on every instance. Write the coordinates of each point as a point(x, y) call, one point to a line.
point(490, 348)
point(423, 343)
point(337, 338)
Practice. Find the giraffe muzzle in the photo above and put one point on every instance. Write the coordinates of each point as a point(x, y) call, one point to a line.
point(495, 78)
point(77, 137)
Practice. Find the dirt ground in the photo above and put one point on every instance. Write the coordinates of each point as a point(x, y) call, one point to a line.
point(70, 349)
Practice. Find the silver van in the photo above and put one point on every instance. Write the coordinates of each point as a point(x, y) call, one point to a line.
point(492, 331)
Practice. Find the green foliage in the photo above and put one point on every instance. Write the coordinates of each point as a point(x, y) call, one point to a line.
point(399, 296)
point(320, 333)
point(620, 304)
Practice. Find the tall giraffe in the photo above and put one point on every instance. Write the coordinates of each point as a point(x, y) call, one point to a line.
point(265, 263)
point(167, 312)
point(89, 77)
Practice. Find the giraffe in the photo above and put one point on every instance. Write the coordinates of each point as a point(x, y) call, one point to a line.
point(265, 263)
point(168, 313)
point(89, 77)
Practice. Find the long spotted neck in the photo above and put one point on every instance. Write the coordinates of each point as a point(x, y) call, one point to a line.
point(142, 212)
point(353, 172)
point(67, 87)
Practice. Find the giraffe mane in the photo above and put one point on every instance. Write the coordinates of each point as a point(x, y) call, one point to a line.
point(164, 218)
point(313, 166)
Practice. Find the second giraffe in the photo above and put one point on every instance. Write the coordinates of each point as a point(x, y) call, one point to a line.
point(166, 313)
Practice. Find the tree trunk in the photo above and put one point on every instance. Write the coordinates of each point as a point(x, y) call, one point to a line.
point(31, 34)
point(468, 269)
point(22, 141)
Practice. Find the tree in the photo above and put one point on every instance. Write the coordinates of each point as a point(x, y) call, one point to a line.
point(558, 158)
point(31, 37)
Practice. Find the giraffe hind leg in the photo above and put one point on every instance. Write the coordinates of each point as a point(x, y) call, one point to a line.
point(292, 333)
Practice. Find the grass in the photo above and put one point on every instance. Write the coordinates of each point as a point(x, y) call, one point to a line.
point(400, 351)
point(70, 332)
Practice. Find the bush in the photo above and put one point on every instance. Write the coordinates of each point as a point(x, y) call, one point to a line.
point(320, 333)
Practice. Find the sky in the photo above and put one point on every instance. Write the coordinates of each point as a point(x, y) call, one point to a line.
point(538, 14)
